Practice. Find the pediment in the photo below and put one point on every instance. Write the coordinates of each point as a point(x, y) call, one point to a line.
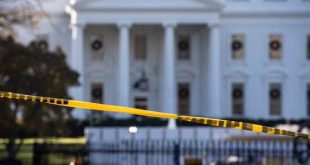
point(276, 73)
point(237, 73)
point(104, 5)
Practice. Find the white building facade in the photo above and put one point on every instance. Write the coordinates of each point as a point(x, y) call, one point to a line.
point(216, 58)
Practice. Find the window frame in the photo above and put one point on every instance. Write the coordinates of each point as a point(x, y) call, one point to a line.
point(90, 52)
point(235, 76)
point(178, 39)
point(232, 98)
point(281, 39)
point(237, 35)
point(92, 86)
point(189, 86)
point(270, 111)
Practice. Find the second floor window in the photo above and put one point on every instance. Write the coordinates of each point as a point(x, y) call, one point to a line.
point(96, 48)
point(184, 47)
point(237, 46)
point(140, 48)
point(275, 47)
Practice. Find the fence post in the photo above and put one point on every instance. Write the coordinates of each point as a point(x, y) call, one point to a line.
point(36, 158)
point(176, 154)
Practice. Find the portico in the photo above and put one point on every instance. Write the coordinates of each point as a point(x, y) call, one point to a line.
point(203, 66)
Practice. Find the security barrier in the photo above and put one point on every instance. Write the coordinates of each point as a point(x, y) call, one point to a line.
point(135, 111)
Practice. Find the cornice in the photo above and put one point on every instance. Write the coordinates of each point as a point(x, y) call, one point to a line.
point(198, 5)
point(270, 14)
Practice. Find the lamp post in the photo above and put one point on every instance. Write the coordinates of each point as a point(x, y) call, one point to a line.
point(133, 130)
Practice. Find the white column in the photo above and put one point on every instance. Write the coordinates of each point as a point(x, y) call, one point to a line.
point(77, 57)
point(123, 65)
point(214, 72)
point(169, 77)
point(77, 63)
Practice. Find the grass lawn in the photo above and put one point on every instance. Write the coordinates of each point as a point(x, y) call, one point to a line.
point(25, 153)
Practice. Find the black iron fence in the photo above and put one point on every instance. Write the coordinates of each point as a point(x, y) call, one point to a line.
point(60, 154)
point(158, 152)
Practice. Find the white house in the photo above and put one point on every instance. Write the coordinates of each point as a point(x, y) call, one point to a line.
point(217, 58)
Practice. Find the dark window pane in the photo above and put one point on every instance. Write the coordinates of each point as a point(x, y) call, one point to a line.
point(97, 96)
point(140, 47)
point(237, 98)
point(96, 48)
point(184, 47)
point(97, 93)
point(275, 99)
point(237, 46)
point(275, 46)
point(184, 98)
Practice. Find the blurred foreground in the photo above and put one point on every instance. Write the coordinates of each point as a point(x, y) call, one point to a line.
point(164, 152)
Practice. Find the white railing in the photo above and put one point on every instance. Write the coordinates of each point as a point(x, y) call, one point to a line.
point(288, 6)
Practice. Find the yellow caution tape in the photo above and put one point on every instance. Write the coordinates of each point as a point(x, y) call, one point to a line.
point(135, 111)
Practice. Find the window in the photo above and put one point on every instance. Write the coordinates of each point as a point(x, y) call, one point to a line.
point(308, 99)
point(140, 47)
point(97, 93)
point(275, 98)
point(237, 46)
point(96, 48)
point(184, 98)
point(308, 47)
point(237, 95)
point(141, 102)
point(275, 46)
point(184, 47)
